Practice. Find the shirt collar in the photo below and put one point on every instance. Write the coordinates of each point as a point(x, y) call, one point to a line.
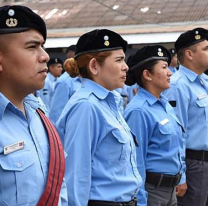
point(188, 73)
point(51, 77)
point(204, 76)
point(151, 99)
point(28, 100)
point(99, 91)
point(4, 102)
point(32, 101)
point(77, 79)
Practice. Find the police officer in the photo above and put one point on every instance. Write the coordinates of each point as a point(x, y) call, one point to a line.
point(101, 163)
point(188, 95)
point(55, 67)
point(70, 51)
point(30, 172)
point(152, 119)
point(174, 61)
point(65, 87)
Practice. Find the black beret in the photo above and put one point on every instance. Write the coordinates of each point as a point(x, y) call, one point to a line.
point(55, 61)
point(172, 51)
point(191, 37)
point(143, 56)
point(16, 18)
point(99, 40)
point(71, 48)
point(147, 54)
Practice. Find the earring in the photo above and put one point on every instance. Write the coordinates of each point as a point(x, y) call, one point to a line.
point(150, 79)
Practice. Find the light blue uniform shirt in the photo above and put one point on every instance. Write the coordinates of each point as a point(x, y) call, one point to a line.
point(65, 88)
point(47, 92)
point(191, 97)
point(172, 69)
point(160, 135)
point(118, 100)
point(131, 92)
point(101, 161)
point(23, 173)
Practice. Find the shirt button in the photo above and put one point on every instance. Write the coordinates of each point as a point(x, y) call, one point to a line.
point(19, 164)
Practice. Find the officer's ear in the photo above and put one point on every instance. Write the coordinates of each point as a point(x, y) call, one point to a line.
point(147, 75)
point(93, 66)
point(189, 54)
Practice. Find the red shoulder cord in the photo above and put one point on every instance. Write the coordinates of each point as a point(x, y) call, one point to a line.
point(56, 170)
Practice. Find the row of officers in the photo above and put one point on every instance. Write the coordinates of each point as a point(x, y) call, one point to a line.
point(154, 152)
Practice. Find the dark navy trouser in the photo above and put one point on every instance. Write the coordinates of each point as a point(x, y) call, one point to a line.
point(197, 181)
point(161, 196)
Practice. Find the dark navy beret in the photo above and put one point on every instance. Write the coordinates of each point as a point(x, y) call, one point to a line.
point(16, 18)
point(147, 54)
point(144, 55)
point(55, 61)
point(191, 37)
point(71, 48)
point(172, 51)
point(99, 40)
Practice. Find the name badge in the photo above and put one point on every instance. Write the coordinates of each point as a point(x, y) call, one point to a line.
point(202, 96)
point(164, 121)
point(13, 147)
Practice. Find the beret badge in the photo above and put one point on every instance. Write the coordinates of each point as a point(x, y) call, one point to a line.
point(197, 37)
point(160, 53)
point(106, 43)
point(11, 22)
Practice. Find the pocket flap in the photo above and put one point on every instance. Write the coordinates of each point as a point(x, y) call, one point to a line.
point(202, 102)
point(17, 161)
point(164, 129)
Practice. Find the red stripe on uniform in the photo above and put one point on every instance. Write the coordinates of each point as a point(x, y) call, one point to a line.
point(56, 165)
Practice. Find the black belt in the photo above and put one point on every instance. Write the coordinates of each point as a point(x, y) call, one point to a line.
point(108, 203)
point(123, 95)
point(197, 154)
point(158, 179)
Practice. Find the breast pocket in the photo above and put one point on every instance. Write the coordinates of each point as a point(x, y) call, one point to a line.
point(119, 145)
point(167, 136)
point(203, 104)
point(18, 181)
point(164, 129)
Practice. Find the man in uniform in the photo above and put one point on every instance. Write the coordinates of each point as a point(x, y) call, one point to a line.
point(70, 51)
point(188, 94)
point(55, 68)
point(32, 162)
point(64, 89)
point(174, 61)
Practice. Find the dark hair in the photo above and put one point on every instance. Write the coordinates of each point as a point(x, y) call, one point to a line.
point(136, 75)
point(181, 52)
point(5, 40)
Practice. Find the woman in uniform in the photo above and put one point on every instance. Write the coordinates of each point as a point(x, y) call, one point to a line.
point(153, 121)
point(101, 166)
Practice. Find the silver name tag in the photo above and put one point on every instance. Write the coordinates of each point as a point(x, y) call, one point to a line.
point(13, 147)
